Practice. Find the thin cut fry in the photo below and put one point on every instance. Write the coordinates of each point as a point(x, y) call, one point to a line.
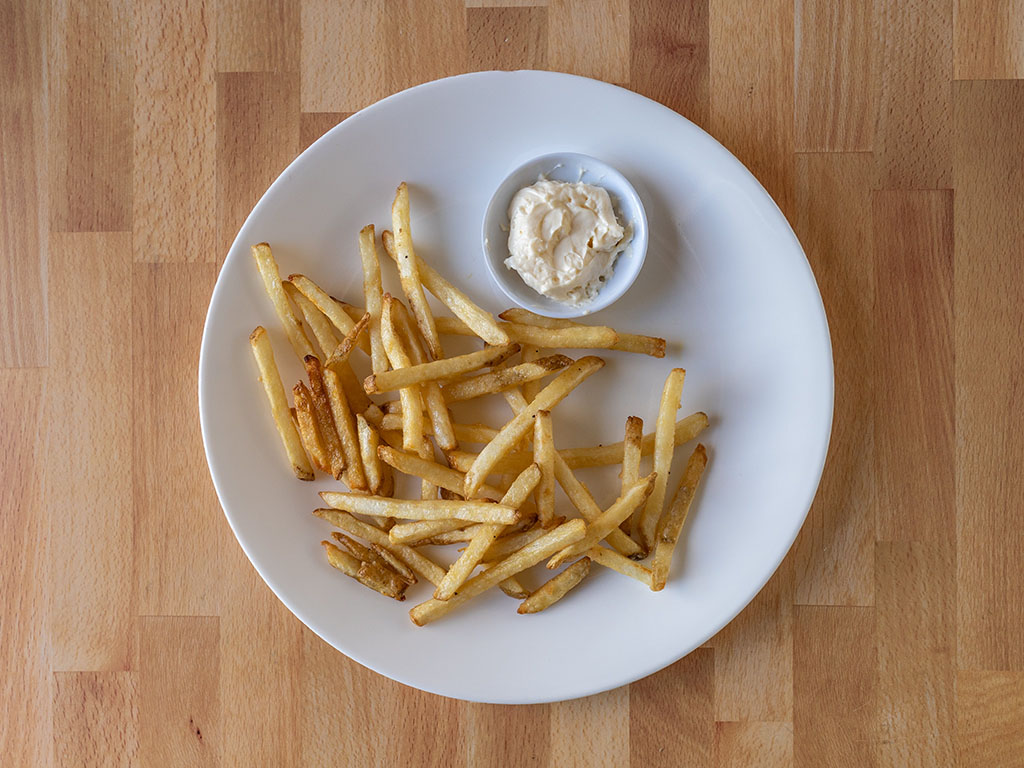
point(369, 440)
point(369, 574)
point(412, 400)
point(329, 306)
point(408, 271)
point(372, 554)
point(323, 329)
point(309, 432)
point(372, 293)
point(631, 459)
point(345, 424)
point(341, 352)
point(506, 545)
point(531, 353)
point(628, 342)
point(609, 558)
point(460, 570)
point(464, 433)
point(504, 378)
point(431, 471)
point(513, 588)
point(671, 524)
point(432, 371)
point(324, 417)
point(420, 509)
point(422, 530)
point(664, 447)
point(272, 284)
point(274, 389)
point(551, 542)
point(582, 337)
point(544, 458)
point(407, 573)
point(556, 588)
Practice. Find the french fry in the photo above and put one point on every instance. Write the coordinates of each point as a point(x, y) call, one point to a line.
point(434, 473)
point(272, 284)
point(408, 271)
point(412, 400)
point(556, 588)
point(274, 389)
point(628, 342)
point(506, 545)
point(631, 459)
point(544, 458)
point(369, 574)
point(461, 569)
point(343, 349)
point(329, 306)
point(580, 337)
point(609, 558)
point(432, 371)
point(531, 353)
point(309, 432)
point(583, 500)
point(664, 446)
point(464, 433)
point(372, 293)
point(514, 430)
point(551, 542)
point(608, 521)
point(671, 523)
point(407, 573)
point(513, 588)
point(504, 378)
point(420, 509)
point(475, 319)
point(423, 530)
point(324, 418)
point(323, 329)
point(373, 554)
point(345, 425)
point(420, 563)
point(369, 440)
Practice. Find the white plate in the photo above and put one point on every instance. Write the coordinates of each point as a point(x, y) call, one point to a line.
point(725, 281)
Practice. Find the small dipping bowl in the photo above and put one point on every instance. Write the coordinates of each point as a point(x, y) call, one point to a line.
point(569, 167)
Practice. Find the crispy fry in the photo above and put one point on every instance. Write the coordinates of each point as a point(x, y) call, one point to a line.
point(544, 458)
point(631, 459)
point(460, 570)
point(369, 440)
point(583, 337)
point(324, 418)
point(671, 523)
point(423, 565)
point(608, 521)
point(514, 430)
point(420, 531)
point(506, 545)
point(369, 574)
point(274, 389)
point(408, 271)
point(385, 554)
point(329, 306)
point(432, 371)
point(372, 294)
point(373, 554)
point(431, 471)
point(309, 432)
point(556, 588)
point(420, 509)
point(317, 321)
point(272, 284)
point(664, 446)
point(504, 378)
point(345, 425)
point(609, 558)
point(531, 353)
point(513, 588)
point(341, 352)
point(473, 317)
point(583, 500)
point(628, 342)
point(464, 433)
point(412, 401)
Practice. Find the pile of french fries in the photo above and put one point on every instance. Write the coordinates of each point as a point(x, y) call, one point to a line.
point(498, 500)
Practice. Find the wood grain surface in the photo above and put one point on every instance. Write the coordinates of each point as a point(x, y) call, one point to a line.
point(136, 136)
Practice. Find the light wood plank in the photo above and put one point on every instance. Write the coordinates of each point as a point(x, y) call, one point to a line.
point(343, 55)
point(91, 116)
point(834, 553)
point(313, 125)
point(988, 296)
point(990, 719)
point(179, 690)
point(835, 94)
point(173, 211)
point(766, 745)
point(671, 713)
point(754, 656)
point(989, 40)
point(257, 36)
point(507, 38)
point(914, 129)
point(914, 309)
point(834, 687)
point(669, 57)
point(916, 620)
point(88, 476)
point(590, 38)
point(595, 725)
point(506, 3)
point(177, 545)
point(25, 678)
point(23, 204)
point(499, 736)
point(95, 720)
point(424, 41)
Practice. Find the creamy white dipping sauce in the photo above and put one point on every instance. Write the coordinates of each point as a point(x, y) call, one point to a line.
point(564, 238)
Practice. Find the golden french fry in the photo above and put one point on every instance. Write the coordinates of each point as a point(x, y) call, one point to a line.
point(460, 570)
point(551, 542)
point(419, 531)
point(582, 337)
point(369, 440)
point(632, 449)
point(412, 401)
point(420, 509)
point(513, 588)
point(329, 306)
point(375, 554)
point(408, 271)
point(340, 353)
point(373, 294)
point(465, 433)
point(504, 378)
point(324, 418)
point(514, 430)
point(309, 432)
point(608, 521)
point(274, 389)
point(368, 574)
point(664, 446)
point(345, 425)
point(556, 588)
point(423, 565)
point(434, 473)
point(531, 353)
point(671, 523)
point(609, 558)
point(544, 457)
point(475, 319)
point(433, 371)
point(322, 328)
point(407, 573)
point(628, 342)
point(583, 500)
point(272, 284)
point(506, 545)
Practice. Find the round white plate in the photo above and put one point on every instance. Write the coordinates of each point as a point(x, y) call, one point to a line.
point(725, 281)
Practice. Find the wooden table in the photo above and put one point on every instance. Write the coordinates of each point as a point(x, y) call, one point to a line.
point(135, 137)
